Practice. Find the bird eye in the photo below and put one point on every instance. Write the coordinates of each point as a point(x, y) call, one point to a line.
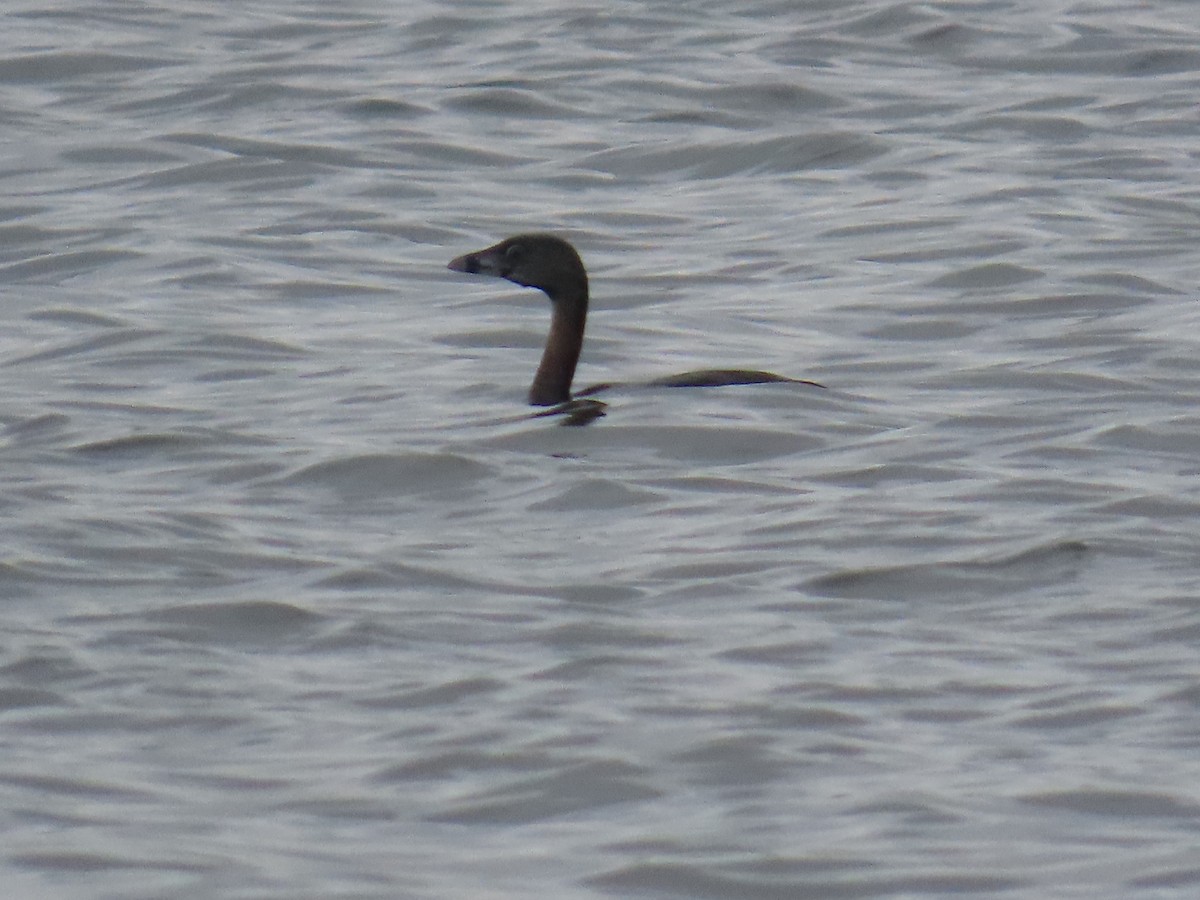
point(514, 253)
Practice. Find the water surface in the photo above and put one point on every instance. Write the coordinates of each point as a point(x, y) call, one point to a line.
point(299, 603)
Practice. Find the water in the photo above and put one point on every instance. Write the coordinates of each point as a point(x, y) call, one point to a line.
point(297, 603)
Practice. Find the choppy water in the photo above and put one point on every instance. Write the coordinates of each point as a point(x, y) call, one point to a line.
point(296, 604)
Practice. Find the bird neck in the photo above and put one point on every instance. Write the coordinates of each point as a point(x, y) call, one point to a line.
point(552, 383)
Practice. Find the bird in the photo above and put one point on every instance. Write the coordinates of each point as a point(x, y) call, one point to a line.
point(550, 264)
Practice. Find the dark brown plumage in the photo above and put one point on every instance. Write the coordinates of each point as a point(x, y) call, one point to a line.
point(553, 266)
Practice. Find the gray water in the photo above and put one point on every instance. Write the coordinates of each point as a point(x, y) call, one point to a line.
point(298, 603)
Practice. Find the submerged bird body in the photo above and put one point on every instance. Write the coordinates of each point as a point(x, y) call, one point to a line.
point(553, 266)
